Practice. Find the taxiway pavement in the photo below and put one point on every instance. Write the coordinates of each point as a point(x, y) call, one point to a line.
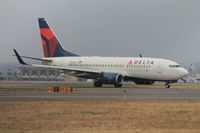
point(106, 94)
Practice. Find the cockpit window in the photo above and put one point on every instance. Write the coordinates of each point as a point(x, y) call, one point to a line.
point(174, 66)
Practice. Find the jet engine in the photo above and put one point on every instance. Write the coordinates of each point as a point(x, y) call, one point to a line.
point(111, 78)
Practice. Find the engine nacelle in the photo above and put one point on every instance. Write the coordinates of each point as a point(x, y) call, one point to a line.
point(111, 78)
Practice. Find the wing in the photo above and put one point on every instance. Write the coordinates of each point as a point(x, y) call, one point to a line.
point(83, 73)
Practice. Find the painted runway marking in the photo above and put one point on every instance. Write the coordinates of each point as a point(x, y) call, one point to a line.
point(110, 94)
point(128, 97)
point(128, 91)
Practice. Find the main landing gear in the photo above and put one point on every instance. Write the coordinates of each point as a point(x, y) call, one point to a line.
point(117, 85)
point(97, 83)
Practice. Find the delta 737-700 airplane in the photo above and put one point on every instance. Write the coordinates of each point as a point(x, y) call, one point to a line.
point(104, 70)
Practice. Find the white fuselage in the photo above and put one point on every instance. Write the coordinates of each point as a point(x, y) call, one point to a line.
point(144, 68)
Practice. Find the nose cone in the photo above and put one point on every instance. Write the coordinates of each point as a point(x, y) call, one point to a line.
point(184, 72)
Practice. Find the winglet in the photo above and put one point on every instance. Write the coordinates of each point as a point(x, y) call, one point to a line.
point(19, 58)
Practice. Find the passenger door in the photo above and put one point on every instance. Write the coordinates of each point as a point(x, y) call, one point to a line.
point(159, 69)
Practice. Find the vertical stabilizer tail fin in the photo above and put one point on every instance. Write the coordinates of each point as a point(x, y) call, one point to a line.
point(51, 46)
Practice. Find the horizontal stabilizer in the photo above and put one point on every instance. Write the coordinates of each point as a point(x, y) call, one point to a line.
point(33, 58)
point(39, 59)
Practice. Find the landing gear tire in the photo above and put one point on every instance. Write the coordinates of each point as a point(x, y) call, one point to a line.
point(97, 83)
point(167, 86)
point(117, 85)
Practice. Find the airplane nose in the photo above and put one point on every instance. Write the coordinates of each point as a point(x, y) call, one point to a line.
point(184, 72)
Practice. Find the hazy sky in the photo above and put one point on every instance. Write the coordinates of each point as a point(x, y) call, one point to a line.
point(156, 28)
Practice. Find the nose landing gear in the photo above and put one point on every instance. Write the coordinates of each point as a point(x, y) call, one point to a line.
point(167, 85)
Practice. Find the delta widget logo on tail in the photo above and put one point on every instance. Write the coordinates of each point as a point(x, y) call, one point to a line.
point(51, 46)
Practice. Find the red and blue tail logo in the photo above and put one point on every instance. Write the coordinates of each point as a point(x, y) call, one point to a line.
point(51, 45)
